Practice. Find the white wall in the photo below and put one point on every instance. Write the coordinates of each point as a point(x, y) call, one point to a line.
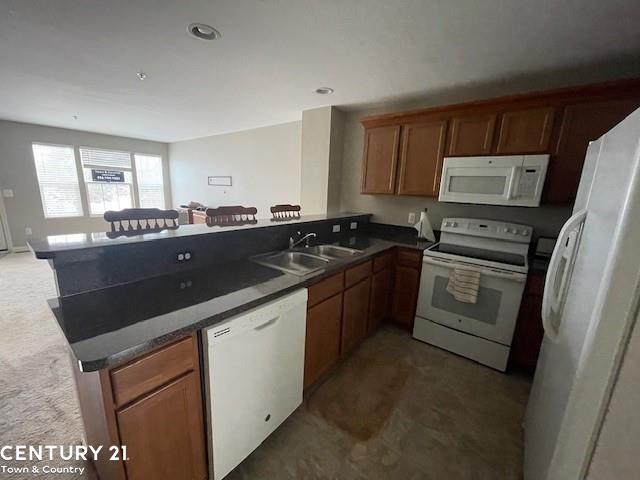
point(393, 209)
point(264, 164)
point(17, 172)
point(321, 162)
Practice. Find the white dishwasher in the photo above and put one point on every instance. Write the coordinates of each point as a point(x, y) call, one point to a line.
point(254, 368)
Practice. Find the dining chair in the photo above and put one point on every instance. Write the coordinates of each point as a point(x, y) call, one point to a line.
point(285, 211)
point(231, 215)
point(141, 220)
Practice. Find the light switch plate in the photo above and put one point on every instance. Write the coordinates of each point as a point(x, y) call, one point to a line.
point(354, 225)
point(412, 217)
point(336, 228)
point(7, 193)
point(28, 231)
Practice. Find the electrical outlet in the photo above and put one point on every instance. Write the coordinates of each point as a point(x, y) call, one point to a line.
point(354, 225)
point(7, 193)
point(28, 231)
point(336, 228)
point(183, 256)
point(412, 217)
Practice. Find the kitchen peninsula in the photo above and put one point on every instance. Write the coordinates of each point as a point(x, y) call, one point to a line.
point(132, 309)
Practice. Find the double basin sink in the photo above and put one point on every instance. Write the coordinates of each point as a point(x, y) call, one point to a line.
point(306, 260)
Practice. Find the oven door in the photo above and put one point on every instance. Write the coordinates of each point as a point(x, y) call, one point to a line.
point(494, 314)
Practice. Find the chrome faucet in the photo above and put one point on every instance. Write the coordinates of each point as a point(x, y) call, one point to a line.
point(293, 243)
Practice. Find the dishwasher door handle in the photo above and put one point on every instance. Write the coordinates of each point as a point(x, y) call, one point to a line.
point(266, 324)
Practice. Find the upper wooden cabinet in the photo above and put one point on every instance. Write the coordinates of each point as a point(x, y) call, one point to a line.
point(525, 131)
point(581, 124)
point(421, 153)
point(471, 134)
point(403, 152)
point(380, 159)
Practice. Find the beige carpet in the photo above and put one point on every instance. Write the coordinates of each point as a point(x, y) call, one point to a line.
point(38, 405)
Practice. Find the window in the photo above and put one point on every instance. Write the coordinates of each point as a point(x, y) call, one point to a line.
point(150, 181)
point(58, 180)
point(108, 177)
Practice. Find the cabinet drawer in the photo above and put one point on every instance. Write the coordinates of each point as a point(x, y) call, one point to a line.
point(325, 289)
point(357, 273)
point(383, 261)
point(409, 257)
point(152, 371)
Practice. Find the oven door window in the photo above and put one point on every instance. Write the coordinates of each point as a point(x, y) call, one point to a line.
point(485, 185)
point(485, 310)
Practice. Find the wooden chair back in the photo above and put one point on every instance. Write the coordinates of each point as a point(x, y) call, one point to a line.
point(285, 211)
point(141, 220)
point(231, 215)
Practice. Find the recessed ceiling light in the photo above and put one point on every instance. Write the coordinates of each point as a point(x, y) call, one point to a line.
point(324, 91)
point(141, 75)
point(204, 32)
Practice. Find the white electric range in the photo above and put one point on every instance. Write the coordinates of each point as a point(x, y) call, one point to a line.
point(483, 330)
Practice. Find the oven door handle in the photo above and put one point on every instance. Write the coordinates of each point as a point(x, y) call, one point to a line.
point(487, 272)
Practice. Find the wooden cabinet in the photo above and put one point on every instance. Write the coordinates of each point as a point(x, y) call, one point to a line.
point(322, 345)
point(525, 131)
point(380, 303)
point(153, 405)
point(355, 316)
point(529, 333)
point(380, 159)
point(471, 134)
point(406, 286)
point(163, 432)
point(581, 124)
point(421, 154)
point(405, 296)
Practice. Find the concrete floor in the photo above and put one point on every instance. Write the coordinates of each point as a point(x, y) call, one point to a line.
point(400, 409)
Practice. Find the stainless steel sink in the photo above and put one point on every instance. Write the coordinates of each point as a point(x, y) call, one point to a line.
point(294, 262)
point(333, 252)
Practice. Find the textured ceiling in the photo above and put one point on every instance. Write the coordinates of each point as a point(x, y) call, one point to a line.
point(60, 58)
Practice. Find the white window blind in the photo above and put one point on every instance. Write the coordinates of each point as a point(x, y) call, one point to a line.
point(105, 158)
point(108, 179)
point(58, 180)
point(150, 181)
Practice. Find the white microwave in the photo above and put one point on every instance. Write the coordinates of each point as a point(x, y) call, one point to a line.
point(514, 180)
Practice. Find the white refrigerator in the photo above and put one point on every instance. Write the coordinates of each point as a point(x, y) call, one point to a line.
point(589, 310)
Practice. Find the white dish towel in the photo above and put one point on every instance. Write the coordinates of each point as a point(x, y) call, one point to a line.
point(464, 285)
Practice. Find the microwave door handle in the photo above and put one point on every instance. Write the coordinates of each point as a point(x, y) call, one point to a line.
point(551, 328)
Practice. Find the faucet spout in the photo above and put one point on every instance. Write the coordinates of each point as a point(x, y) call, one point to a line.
point(293, 243)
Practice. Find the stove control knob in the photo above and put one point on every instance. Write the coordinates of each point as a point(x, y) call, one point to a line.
point(454, 224)
point(525, 232)
point(506, 230)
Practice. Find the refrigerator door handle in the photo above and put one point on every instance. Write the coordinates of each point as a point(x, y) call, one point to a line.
point(556, 281)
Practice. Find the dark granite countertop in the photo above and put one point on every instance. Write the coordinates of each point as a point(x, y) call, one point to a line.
point(47, 247)
point(109, 326)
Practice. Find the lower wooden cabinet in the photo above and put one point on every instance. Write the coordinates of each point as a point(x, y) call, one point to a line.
point(153, 405)
point(355, 315)
point(528, 335)
point(163, 432)
point(405, 296)
point(322, 344)
point(380, 303)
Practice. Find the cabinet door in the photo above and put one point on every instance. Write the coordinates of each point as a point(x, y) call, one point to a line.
point(580, 125)
point(421, 158)
point(355, 315)
point(380, 305)
point(322, 345)
point(164, 433)
point(405, 296)
point(471, 134)
point(380, 159)
point(525, 131)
